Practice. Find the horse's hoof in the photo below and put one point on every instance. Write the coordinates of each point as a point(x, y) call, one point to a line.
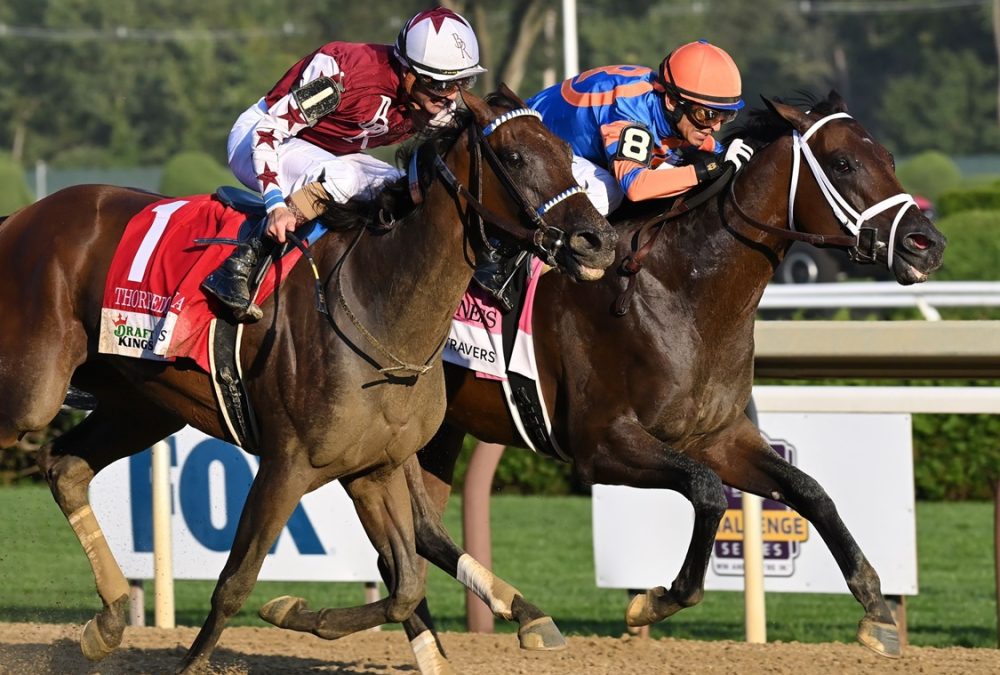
point(92, 644)
point(881, 638)
point(640, 611)
point(541, 634)
point(277, 610)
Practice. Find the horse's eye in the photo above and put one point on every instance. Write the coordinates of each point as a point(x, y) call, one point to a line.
point(841, 165)
point(513, 158)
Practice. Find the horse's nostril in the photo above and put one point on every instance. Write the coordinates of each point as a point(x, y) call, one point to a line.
point(586, 241)
point(920, 241)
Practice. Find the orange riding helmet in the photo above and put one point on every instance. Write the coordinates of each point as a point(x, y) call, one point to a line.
point(702, 73)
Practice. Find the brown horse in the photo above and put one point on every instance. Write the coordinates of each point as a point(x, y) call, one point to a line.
point(334, 395)
point(655, 398)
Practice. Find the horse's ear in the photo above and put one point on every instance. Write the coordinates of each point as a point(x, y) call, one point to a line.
point(836, 101)
point(484, 114)
point(798, 119)
point(509, 93)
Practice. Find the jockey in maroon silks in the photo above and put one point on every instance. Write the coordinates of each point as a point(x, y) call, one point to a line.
point(305, 140)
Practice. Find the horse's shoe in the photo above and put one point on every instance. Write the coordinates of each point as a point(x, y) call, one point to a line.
point(881, 638)
point(541, 634)
point(277, 610)
point(92, 644)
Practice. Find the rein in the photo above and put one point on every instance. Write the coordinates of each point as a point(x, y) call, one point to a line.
point(632, 264)
point(546, 238)
point(862, 242)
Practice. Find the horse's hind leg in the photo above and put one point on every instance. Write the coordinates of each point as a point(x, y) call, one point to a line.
point(536, 630)
point(382, 501)
point(69, 464)
point(757, 469)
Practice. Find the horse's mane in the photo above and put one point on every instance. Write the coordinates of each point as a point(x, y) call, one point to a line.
point(394, 201)
point(762, 126)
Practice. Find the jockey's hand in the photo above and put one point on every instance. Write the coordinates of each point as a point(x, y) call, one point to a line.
point(738, 153)
point(280, 221)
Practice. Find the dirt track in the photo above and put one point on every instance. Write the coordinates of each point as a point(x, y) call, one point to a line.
point(29, 649)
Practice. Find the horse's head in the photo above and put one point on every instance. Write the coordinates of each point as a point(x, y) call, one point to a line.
point(519, 174)
point(843, 182)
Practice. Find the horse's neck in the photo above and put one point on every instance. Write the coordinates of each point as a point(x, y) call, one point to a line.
point(704, 258)
point(408, 282)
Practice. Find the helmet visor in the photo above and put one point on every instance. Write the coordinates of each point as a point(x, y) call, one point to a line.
point(705, 117)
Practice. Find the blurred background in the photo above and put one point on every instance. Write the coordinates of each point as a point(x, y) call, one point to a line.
point(144, 92)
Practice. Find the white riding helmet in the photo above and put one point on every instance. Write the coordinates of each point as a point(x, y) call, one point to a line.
point(440, 44)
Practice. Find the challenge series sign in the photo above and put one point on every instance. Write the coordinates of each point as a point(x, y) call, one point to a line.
point(863, 461)
point(784, 531)
point(322, 541)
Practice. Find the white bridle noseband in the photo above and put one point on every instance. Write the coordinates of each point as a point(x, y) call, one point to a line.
point(849, 219)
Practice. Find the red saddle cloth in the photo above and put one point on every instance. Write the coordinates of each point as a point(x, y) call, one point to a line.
point(153, 307)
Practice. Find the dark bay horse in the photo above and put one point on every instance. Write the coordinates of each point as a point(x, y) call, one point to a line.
point(330, 400)
point(656, 398)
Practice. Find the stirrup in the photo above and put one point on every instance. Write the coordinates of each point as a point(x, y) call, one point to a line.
point(494, 277)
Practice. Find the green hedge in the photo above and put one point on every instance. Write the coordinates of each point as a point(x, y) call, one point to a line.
point(194, 173)
point(15, 193)
point(929, 174)
point(973, 246)
point(980, 198)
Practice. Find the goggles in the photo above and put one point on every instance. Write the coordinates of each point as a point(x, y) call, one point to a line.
point(445, 87)
point(704, 117)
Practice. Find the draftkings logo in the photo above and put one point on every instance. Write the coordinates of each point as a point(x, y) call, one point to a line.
point(136, 334)
point(784, 531)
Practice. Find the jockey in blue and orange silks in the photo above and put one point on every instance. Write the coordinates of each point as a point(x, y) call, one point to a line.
point(633, 129)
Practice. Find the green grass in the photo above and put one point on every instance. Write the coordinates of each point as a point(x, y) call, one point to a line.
point(543, 546)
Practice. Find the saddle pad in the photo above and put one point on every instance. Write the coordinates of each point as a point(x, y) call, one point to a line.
point(153, 307)
point(475, 340)
point(501, 347)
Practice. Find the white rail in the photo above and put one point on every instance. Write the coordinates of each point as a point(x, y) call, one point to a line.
point(883, 294)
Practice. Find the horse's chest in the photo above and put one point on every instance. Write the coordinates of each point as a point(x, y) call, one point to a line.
point(384, 427)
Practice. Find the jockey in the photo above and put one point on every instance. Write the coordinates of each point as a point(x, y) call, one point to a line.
point(304, 141)
point(634, 132)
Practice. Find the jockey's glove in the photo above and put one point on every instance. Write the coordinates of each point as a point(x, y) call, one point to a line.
point(738, 153)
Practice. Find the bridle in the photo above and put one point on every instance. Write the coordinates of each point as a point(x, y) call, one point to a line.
point(546, 239)
point(862, 242)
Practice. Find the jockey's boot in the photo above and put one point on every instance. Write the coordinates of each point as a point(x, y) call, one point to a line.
point(493, 274)
point(230, 282)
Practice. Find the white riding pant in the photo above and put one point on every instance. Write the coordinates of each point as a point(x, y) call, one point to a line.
point(602, 188)
point(300, 162)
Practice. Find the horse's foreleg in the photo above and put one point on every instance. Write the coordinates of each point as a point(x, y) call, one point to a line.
point(637, 459)
point(382, 501)
point(274, 494)
point(536, 630)
point(757, 469)
point(69, 464)
point(437, 462)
